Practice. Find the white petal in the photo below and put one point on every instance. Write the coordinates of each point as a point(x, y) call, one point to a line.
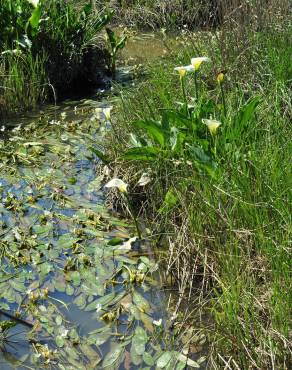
point(117, 183)
point(127, 246)
point(144, 179)
point(157, 322)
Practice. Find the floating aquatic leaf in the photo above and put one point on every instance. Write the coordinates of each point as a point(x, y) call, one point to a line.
point(69, 289)
point(66, 241)
point(75, 277)
point(164, 359)
point(59, 320)
point(140, 301)
point(139, 340)
point(148, 359)
point(95, 185)
point(101, 338)
point(112, 357)
point(188, 361)
point(100, 301)
point(147, 321)
point(60, 341)
point(135, 357)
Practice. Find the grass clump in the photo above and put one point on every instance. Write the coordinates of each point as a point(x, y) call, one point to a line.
point(48, 48)
point(219, 191)
point(153, 14)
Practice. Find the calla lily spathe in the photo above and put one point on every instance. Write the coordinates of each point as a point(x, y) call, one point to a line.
point(184, 69)
point(220, 77)
point(117, 183)
point(196, 62)
point(212, 125)
point(35, 3)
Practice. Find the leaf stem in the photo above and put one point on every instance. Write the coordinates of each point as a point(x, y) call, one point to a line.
point(223, 99)
point(133, 215)
point(196, 85)
point(183, 87)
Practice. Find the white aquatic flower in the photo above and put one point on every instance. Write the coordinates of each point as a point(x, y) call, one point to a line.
point(212, 125)
point(157, 322)
point(117, 183)
point(63, 115)
point(196, 62)
point(182, 70)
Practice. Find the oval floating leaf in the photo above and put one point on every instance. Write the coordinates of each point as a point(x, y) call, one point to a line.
point(112, 356)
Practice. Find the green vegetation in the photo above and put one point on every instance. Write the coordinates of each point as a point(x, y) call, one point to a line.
point(219, 192)
point(46, 49)
point(172, 14)
point(116, 43)
point(75, 284)
point(200, 154)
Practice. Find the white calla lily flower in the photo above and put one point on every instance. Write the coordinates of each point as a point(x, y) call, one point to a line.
point(182, 70)
point(212, 125)
point(196, 62)
point(117, 183)
point(35, 3)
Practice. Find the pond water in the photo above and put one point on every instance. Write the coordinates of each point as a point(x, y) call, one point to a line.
point(83, 291)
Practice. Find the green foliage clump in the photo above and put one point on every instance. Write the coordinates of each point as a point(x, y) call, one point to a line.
point(224, 199)
point(47, 46)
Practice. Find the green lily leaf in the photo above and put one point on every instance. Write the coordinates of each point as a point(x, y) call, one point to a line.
point(147, 153)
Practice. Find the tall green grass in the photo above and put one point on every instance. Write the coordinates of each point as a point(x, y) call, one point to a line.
point(24, 82)
point(228, 231)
